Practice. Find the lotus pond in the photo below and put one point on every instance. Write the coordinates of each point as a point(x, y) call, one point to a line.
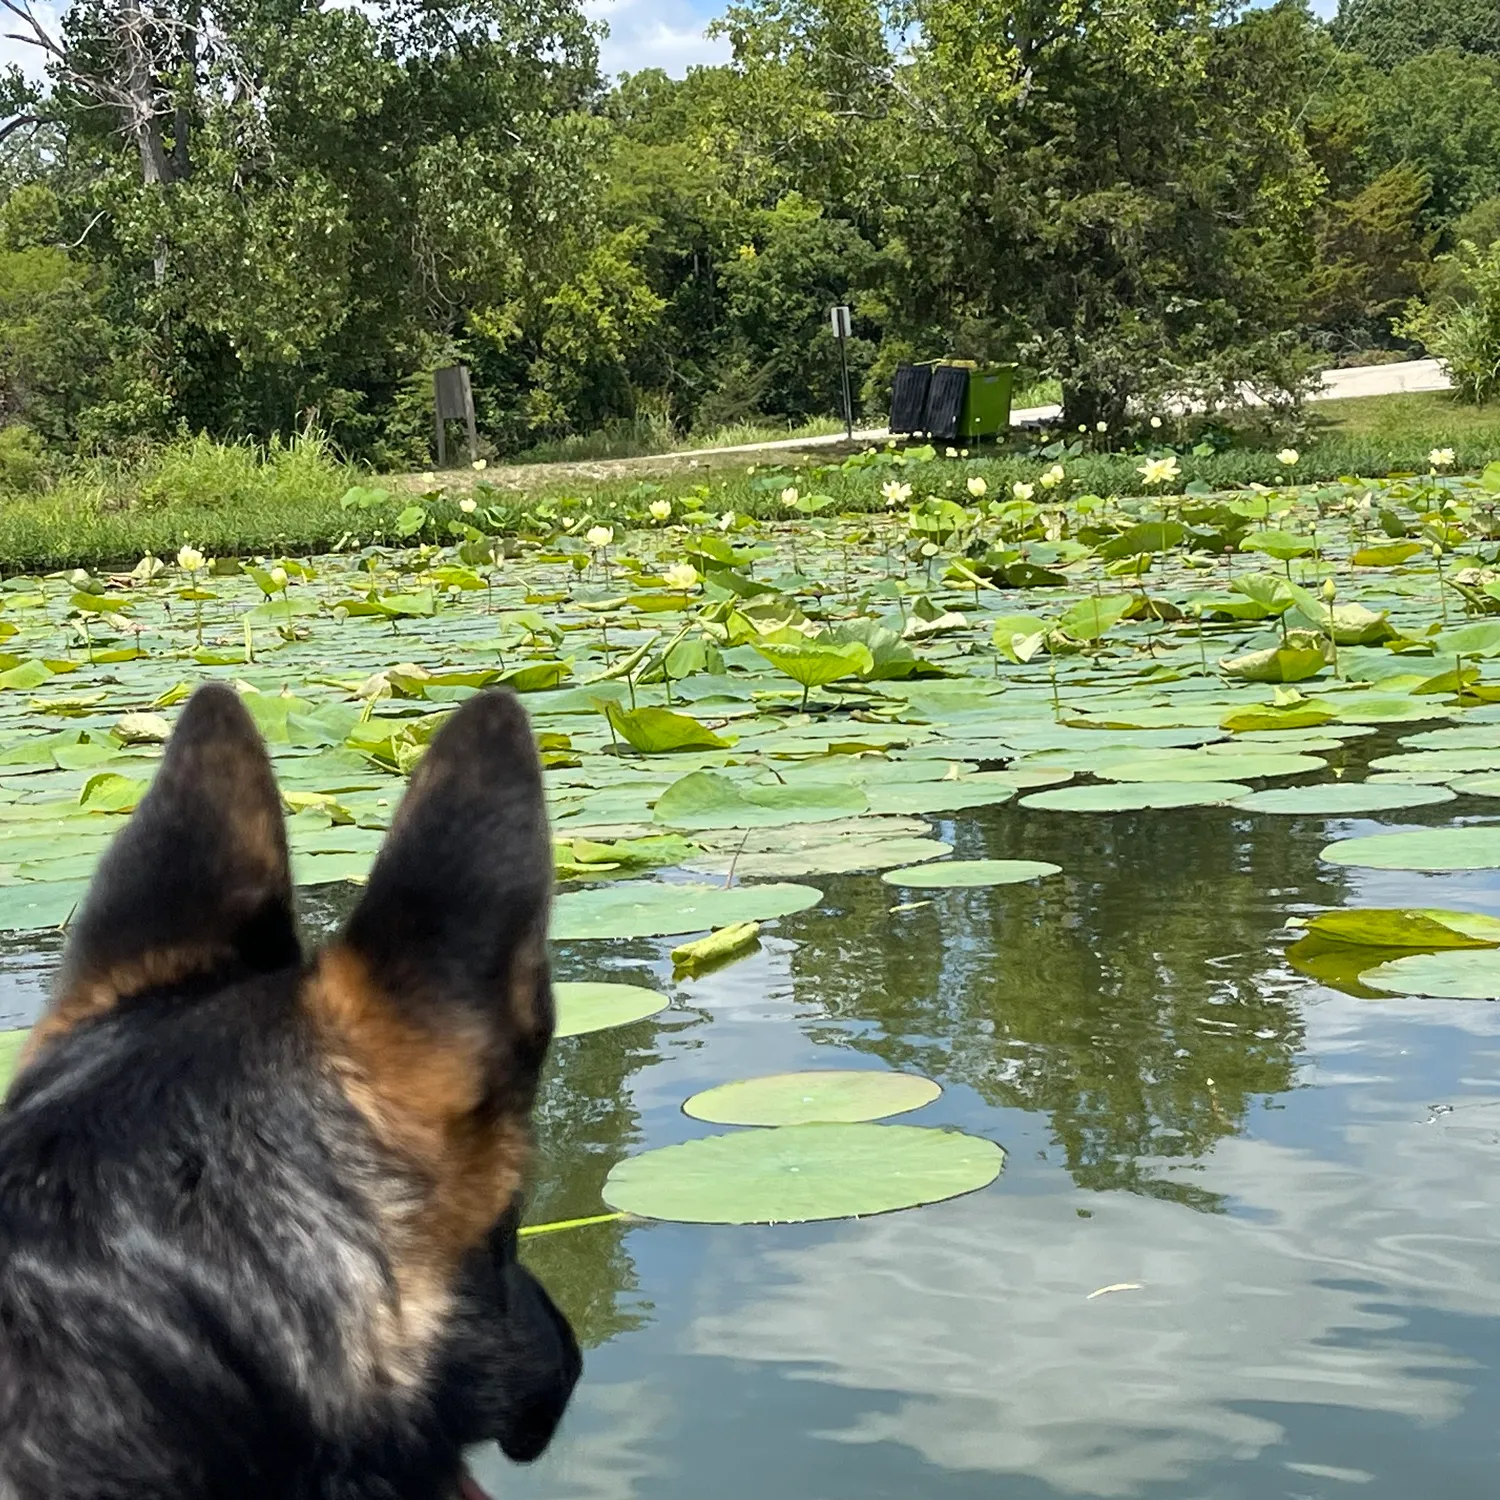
point(1022, 966)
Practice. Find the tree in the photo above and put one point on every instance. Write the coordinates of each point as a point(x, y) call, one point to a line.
point(1390, 32)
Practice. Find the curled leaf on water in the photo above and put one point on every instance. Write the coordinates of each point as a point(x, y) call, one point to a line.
point(1406, 927)
point(718, 948)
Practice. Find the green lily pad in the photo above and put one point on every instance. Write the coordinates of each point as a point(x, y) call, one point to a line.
point(796, 1174)
point(807, 853)
point(11, 1043)
point(1456, 974)
point(1195, 765)
point(35, 904)
point(1135, 796)
point(705, 799)
point(644, 908)
point(983, 789)
point(1342, 799)
point(584, 1006)
point(837, 1096)
point(970, 872)
point(1422, 849)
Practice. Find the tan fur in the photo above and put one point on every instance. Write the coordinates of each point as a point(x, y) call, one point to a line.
point(458, 1160)
point(92, 995)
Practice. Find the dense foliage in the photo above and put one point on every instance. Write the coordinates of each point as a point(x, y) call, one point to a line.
point(252, 217)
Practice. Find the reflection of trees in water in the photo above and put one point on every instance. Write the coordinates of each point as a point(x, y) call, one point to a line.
point(1107, 997)
point(585, 1123)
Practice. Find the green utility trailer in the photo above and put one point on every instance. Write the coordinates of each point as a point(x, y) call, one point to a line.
point(952, 399)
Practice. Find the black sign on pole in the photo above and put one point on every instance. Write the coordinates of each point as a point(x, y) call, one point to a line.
point(453, 400)
point(841, 326)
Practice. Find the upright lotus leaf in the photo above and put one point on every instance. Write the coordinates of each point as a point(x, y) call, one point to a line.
point(707, 799)
point(1482, 638)
point(1303, 656)
point(1019, 637)
point(1094, 617)
point(1385, 554)
point(813, 664)
point(1282, 545)
point(654, 731)
point(1144, 539)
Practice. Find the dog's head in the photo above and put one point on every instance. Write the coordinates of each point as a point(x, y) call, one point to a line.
point(430, 1014)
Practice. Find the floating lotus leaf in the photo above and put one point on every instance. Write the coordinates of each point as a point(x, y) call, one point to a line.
point(1403, 927)
point(795, 1174)
point(1135, 796)
point(1422, 849)
point(1451, 975)
point(1342, 799)
point(970, 872)
point(646, 908)
point(584, 1006)
point(11, 1043)
point(1200, 765)
point(841, 1096)
point(706, 799)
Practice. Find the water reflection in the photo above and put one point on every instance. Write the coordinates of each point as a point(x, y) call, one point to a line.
point(1134, 999)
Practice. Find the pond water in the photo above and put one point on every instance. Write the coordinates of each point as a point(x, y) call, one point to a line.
point(1298, 1187)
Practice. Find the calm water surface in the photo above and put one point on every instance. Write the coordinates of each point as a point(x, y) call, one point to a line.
point(1305, 1187)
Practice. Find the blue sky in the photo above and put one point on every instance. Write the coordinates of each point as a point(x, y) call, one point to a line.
point(643, 34)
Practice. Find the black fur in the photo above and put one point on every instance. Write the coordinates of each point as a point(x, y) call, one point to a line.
point(192, 1258)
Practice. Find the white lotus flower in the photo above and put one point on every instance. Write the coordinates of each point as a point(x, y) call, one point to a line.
point(977, 487)
point(480, 465)
point(1288, 456)
point(599, 536)
point(278, 577)
point(1441, 458)
point(895, 492)
point(467, 506)
point(1160, 470)
point(1022, 491)
point(189, 559)
point(681, 576)
point(660, 509)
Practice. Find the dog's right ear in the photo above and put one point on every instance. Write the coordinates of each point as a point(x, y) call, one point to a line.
point(435, 1003)
point(197, 883)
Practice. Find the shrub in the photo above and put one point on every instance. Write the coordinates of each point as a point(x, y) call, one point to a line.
point(1462, 328)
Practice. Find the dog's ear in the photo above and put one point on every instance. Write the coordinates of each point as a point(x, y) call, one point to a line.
point(197, 883)
point(434, 1002)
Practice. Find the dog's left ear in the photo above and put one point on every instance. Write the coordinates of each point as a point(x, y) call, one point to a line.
point(197, 883)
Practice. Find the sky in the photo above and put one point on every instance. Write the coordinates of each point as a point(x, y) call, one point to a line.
point(642, 34)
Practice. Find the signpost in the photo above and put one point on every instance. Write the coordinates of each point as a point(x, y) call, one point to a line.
point(453, 399)
point(841, 327)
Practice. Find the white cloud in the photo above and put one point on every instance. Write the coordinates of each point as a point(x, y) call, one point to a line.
point(666, 34)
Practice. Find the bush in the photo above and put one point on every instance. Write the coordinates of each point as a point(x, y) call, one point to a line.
point(23, 463)
point(1462, 328)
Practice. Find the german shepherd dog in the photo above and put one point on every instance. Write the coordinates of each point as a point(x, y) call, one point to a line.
point(258, 1212)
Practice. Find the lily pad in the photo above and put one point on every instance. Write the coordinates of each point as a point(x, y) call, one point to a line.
point(1194, 765)
point(1422, 849)
point(1399, 927)
point(983, 789)
point(584, 1006)
point(970, 872)
point(1342, 799)
point(705, 799)
point(1456, 974)
point(796, 1174)
point(845, 1096)
point(645, 908)
point(11, 1043)
point(1135, 796)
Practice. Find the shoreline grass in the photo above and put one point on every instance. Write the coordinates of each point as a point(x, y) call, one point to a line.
point(244, 500)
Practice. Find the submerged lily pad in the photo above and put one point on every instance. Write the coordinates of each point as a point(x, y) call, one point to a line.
point(1136, 796)
point(795, 1174)
point(1457, 974)
point(584, 1006)
point(1422, 849)
point(1342, 799)
point(970, 872)
point(823, 1096)
point(645, 908)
